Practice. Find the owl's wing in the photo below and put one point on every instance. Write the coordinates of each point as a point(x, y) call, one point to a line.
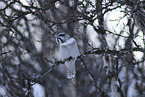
point(73, 47)
point(64, 51)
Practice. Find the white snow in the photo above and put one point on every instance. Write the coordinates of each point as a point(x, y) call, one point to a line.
point(38, 90)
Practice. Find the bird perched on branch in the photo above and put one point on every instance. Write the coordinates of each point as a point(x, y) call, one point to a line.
point(68, 48)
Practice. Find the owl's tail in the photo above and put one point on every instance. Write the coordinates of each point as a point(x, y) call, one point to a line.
point(71, 70)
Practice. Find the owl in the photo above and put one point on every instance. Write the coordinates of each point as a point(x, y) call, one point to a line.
point(68, 48)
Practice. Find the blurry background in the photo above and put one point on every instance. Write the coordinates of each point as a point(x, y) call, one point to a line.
point(110, 37)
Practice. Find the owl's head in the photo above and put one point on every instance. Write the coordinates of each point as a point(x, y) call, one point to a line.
point(62, 37)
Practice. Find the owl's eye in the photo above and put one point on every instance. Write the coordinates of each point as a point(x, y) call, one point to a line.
point(59, 39)
point(61, 34)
